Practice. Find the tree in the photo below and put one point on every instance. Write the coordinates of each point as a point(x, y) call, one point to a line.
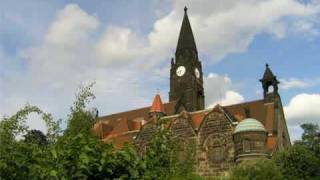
point(19, 159)
point(78, 154)
point(75, 154)
point(298, 162)
point(260, 169)
point(310, 138)
point(36, 136)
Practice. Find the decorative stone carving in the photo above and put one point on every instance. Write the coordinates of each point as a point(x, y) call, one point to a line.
point(216, 148)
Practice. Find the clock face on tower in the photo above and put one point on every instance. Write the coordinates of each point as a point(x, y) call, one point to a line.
point(180, 71)
point(196, 72)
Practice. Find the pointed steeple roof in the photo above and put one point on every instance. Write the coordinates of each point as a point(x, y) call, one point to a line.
point(157, 105)
point(268, 75)
point(186, 39)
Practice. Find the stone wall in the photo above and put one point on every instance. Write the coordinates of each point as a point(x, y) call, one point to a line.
point(215, 149)
point(213, 145)
point(250, 145)
point(145, 136)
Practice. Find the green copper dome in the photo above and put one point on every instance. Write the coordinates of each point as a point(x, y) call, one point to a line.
point(249, 124)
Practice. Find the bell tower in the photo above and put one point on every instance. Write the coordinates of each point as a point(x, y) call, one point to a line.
point(269, 84)
point(186, 77)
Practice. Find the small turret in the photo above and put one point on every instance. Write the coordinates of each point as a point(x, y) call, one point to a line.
point(250, 138)
point(269, 80)
point(157, 108)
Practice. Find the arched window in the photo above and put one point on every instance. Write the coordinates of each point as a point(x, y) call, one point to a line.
point(270, 89)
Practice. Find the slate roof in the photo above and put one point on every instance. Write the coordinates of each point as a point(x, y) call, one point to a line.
point(186, 39)
point(268, 75)
point(132, 120)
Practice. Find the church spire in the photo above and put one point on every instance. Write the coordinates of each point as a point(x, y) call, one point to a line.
point(186, 77)
point(186, 39)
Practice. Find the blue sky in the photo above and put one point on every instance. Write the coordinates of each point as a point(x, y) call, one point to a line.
point(49, 48)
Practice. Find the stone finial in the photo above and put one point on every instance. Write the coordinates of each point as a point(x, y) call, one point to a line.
point(185, 9)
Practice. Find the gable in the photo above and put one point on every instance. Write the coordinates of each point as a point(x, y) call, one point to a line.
point(146, 133)
point(129, 116)
point(182, 125)
point(214, 123)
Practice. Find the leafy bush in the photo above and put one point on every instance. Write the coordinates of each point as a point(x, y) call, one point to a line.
point(162, 157)
point(260, 169)
point(24, 159)
point(298, 162)
point(75, 154)
point(310, 138)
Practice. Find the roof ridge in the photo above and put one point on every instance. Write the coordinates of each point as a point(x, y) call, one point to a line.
point(243, 103)
point(146, 107)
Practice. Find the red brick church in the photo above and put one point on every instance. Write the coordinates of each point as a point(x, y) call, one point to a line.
point(223, 135)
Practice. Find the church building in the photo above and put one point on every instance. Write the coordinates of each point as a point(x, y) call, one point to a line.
point(222, 135)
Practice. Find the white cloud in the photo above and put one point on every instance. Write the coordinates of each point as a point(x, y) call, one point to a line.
point(226, 26)
point(74, 52)
point(293, 83)
point(71, 27)
point(232, 97)
point(219, 90)
point(295, 132)
point(303, 108)
point(66, 59)
point(119, 45)
point(306, 28)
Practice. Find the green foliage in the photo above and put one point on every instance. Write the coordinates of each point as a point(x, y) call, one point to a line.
point(302, 160)
point(75, 154)
point(15, 125)
point(81, 120)
point(310, 138)
point(85, 157)
point(162, 160)
point(20, 159)
point(35, 136)
point(160, 156)
point(298, 162)
point(260, 169)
